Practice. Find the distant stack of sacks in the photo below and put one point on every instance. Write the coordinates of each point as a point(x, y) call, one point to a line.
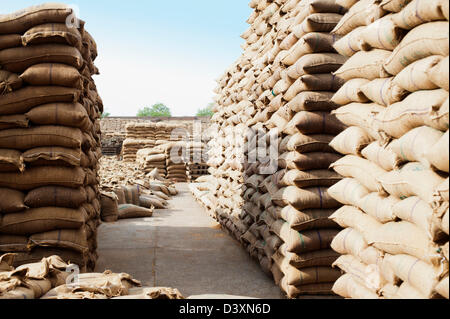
point(197, 160)
point(148, 135)
point(396, 186)
point(150, 158)
point(49, 137)
point(49, 278)
point(203, 189)
point(175, 161)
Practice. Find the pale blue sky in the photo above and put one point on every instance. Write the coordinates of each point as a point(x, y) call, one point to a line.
point(159, 51)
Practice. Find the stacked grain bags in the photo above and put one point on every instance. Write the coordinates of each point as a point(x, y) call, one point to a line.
point(280, 87)
point(49, 137)
point(150, 158)
point(196, 159)
point(175, 153)
point(395, 102)
point(138, 136)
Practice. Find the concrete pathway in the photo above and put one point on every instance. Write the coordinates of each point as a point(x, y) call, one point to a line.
point(182, 247)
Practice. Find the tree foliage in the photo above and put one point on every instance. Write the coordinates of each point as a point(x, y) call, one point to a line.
point(207, 111)
point(157, 110)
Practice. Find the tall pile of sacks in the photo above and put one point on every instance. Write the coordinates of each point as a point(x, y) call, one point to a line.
point(278, 93)
point(396, 164)
point(49, 137)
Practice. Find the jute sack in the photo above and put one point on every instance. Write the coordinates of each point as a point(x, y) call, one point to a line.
point(39, 220)
point(304, 179)
point(412, 77)
point(309, 161)
point(349, 242)
point(10, 41)
point(52, 33)
point(313, 42)
point(414, 145)
point(363, 13)
point(442, 287)
point(348, 192)
point(413, 179)
point(445, 223)
point(366, 274)
point(53, 74)
point(348, 286)
point(313, 82)
point(9, 82)
point(52, 156)
point(11, 161)
point(314, 123)
point(347, 4)
point(438, 154)
point(405, 238)
point(66, 238)
point(381, 34)
point(312, 275)
point(417, 109)
point(316, 63)
point(360, 115)
point(316, 22)
point(13, 121)
point(407, 291)
point(422, 276)
point(422, 41)
point(55, 196)
point(384, 91)
point(351, 141)
point(349, 216)
point(11, 201)
point(132, 211)
point(367, 65)
point(439, 74)
point(110, 210)
point(307, 219)
point(418, 12)
point(21, 101)
point(312, 101)
point(441, 198)
point(382, 156)
point(309, 143)
point(324, 257)
point(17, 60)
point(416, 211)
point(20, 21)
point(43, 176)
point(364, 171)
point(380, 207)
point(394, 5)
point(301, 199)
point(351, 43)
point(351, 92)
point(13, 243)
point(305, 290)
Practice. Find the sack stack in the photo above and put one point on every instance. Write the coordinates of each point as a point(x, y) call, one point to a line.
point(175, 161)
point(49, 137)
point(197, 160)
point(150, 158)
point(395, 186)
point(280, 87)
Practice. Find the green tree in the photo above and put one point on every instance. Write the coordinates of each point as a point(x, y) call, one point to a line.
point(207, 111)
point(157, 110)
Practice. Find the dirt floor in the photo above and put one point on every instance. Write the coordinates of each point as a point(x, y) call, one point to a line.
point(182, 247)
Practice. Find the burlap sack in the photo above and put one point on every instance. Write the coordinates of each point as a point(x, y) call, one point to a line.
point(418, 12)
point(442, 287)
point(422, 41)
point(51, 33)
point(13, 121)
point(384, 91)
point(308, 143)
point(348, 192)
point(10, 41)
point(394, 5)
point(67, 238)
point(38, 220)
point(314, 123)
point(301, 199)
point(351, 141)
point(109, 210)
point(439, 74)
point(349, 216)
point(438, 154)
point(380, 207)
point(9, 82)
point(311, 101)
point(317, 22)
point(53, 74)
point(17, 60)
point(13, 243)
point(349, 242)
point(309, 161)
point(21, 101)
point(307, 219)
point(324, 257)
point(351, 92)
point(11, 161)
point(132, 211)
point(52, 156)
point(382, 156)
point(349, 286)
point(304, 179)
point(11, 201)
point(316, 63)
point(412, 77)
point(312, 82)
point(366, 65)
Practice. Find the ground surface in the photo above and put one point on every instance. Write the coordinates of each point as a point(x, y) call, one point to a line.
point(182, 247)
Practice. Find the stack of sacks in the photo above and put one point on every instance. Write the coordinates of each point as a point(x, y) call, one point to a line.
point(170, 132)
point(303, 90)
point(175, 161)
point(395, 102)
point(282, 83)
point(203, 190)
point(196, 159)
point(49, 137)
point(138, 136)
point(150, 158)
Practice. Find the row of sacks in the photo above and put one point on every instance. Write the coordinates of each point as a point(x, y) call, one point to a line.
point(396, 164)
point(272, 199)
point(49, 136)
point(137, 201)
point(53, 278)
